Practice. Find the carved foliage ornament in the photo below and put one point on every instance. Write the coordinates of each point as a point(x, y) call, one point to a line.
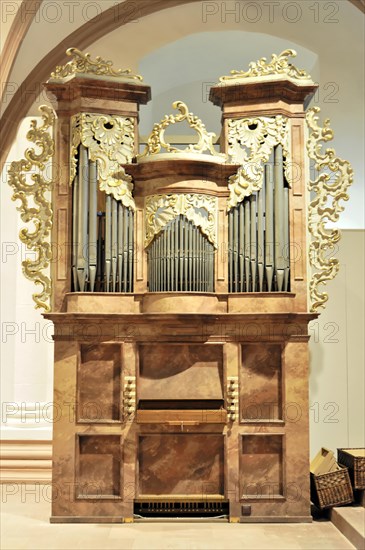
point(279, 65)
point(110, 141)
point(83, 64)
point(329, 188)
point(200, 209)
point(40, 215)
point(250, 143)
point(156, 140)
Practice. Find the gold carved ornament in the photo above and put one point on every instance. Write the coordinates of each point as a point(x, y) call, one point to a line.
point(110, 141)
point(156, 140)
point(329, 188)
point(41, 214)
point(250, 143)
point(279, 65)
point(199, 209)
point(82, 64)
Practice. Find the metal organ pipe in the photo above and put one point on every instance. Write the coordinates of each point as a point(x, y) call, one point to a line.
point(93, 215)
point(180, 259)
point(279, 216)
point(82, 223)
point(269, 223)
point(258, 234)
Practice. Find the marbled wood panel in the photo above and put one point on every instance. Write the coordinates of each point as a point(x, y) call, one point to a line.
point(180, 372)
point(260, 382)
point(98, 382)
point(261, 472)
point(99, 466)
point(181, 464)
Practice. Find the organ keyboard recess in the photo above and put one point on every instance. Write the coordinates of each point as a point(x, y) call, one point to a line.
point(181, 309)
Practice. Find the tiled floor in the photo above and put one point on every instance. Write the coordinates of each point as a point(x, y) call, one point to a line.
point(25, 524)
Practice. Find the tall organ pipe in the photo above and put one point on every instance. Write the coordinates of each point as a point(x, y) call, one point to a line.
point(83, 203)
point(269, 225)
point(286, 249)
point(130, 250)
point(92, 252)
point(241, 246)
point(247, 244)
point(75, 218)
point(253, 243)
point(108, 241)
point(260, 236)
point(230, 251)
point(279, 217)
point(121, 267)
point(114, 243)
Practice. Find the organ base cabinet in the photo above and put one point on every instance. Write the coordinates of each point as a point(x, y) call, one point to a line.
point(181, 305)
point(172, 415)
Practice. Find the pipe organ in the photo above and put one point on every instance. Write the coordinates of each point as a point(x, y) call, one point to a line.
point(181, 309)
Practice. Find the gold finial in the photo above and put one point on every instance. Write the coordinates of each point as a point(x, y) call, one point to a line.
point(279, 65)
point(83, 64)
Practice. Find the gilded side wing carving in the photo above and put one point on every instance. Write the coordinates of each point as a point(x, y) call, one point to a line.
point(35, 193)
point(329, 187)
point(250, 143)
point(110, 141)
point(200, 209)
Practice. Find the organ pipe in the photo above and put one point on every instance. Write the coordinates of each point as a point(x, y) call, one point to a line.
point(180, 258)
point(82, 223)
point(92, 248)
point(258, 234)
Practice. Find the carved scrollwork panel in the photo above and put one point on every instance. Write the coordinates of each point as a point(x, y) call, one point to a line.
point(250, 143)
point(110, 141)
point(32, 167)
point(200, 209)
point(333, 178)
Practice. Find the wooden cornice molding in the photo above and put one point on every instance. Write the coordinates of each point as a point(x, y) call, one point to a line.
point(22, 21)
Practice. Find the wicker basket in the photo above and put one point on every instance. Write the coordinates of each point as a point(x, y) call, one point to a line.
point(355, 464)
point(332, 489)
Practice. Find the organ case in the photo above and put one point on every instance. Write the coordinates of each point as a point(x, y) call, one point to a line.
point(180, 309)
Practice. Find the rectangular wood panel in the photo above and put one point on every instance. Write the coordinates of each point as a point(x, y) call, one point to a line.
point(61, 249)
point(181, 464)
point(298, 176)
point(180, 372)
point(261, 383)
point(99, 383)
point(98, 466)
point(261, 466)
point(298, 252)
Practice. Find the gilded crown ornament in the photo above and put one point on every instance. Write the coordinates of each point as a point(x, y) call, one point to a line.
point(156, 141)
point(279, 65)
point(82, 64)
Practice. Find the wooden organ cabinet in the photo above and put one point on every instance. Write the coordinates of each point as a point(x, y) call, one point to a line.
point(180, 308)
